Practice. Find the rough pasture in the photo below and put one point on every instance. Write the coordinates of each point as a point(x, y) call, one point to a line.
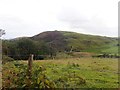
point(64, 73)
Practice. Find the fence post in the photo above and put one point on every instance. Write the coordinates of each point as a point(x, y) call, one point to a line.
point(30, 61)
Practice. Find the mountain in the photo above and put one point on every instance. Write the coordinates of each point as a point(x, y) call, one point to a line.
point(78, 42)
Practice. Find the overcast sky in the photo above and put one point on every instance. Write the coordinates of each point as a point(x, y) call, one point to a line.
point(30, 17)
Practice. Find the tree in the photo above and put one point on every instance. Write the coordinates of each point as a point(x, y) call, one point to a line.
point(26, 47)
point(2, 32)
point(52, 50)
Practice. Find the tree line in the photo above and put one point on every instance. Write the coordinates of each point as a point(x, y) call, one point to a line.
point(20, 49)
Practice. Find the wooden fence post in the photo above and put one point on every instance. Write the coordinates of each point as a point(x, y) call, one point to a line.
point(30, 61)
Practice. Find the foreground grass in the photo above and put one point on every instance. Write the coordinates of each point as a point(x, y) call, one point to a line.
point(65, 73)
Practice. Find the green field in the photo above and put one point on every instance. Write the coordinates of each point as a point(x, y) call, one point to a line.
point(63, 73)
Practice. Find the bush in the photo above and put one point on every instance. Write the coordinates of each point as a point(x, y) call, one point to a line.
point(6, 59)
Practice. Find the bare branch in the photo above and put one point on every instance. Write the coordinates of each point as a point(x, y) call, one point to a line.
point(2, 32)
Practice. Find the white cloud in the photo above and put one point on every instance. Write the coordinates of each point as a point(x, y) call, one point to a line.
point(30, 17)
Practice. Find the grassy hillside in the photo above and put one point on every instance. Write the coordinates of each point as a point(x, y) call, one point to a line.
point(79, 42)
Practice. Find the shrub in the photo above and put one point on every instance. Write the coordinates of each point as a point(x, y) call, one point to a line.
point(6, 59)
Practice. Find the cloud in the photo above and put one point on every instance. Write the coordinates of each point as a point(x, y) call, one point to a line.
point(30, 17)
point(17, 27)
point(14, 27)
point(87, 24)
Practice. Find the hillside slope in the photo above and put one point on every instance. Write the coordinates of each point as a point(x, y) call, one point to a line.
point(78, 42)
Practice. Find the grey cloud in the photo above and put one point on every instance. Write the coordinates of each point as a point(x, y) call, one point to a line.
point(90, 25)
point(14, 27)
